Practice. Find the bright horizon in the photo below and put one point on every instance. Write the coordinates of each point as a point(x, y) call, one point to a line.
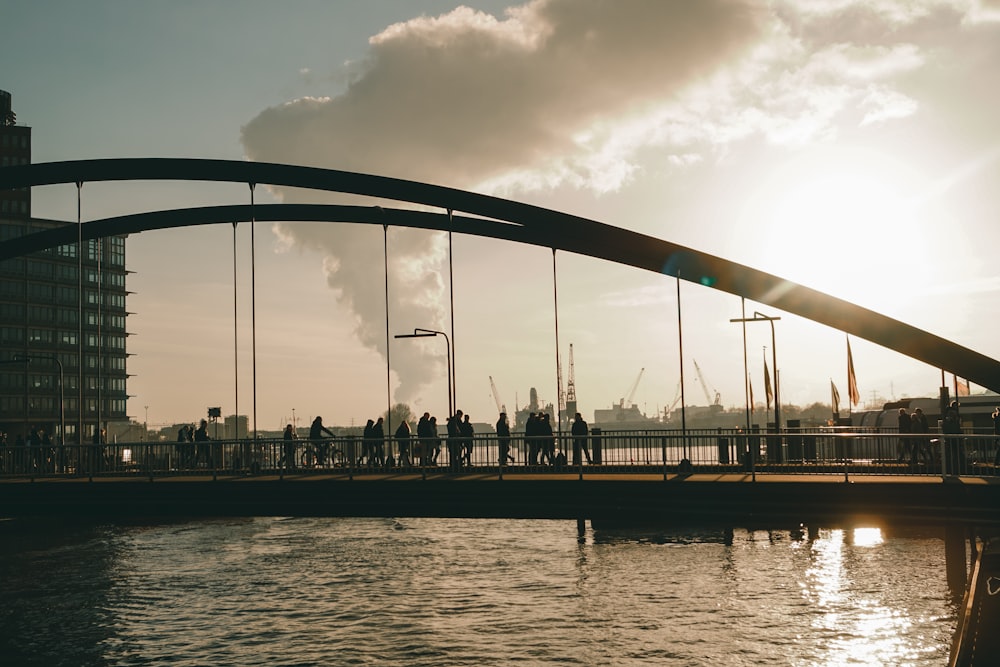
point(848, 146)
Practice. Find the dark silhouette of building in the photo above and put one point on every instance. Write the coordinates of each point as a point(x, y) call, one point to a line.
point(48, 326)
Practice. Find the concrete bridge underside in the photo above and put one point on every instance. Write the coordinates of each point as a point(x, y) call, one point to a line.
point(706, 498)
point(494, 217)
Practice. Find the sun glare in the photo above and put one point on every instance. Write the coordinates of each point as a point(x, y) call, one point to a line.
point(846, 222)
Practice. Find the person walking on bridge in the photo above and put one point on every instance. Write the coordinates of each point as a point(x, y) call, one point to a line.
point(403, 434)
point(288, 438)
point(202, 443)
point(905, 426)
point(467, 432)
point(580, 433)
point(503, 439)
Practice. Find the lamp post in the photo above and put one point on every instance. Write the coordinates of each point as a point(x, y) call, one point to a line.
point(760, 317)
point(430, 333)
point(62, 402)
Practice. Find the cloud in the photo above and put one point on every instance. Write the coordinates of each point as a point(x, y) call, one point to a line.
point(465, 97)
point(570, 93)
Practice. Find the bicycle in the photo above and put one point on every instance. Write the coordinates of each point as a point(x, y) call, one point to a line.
point(322, 455)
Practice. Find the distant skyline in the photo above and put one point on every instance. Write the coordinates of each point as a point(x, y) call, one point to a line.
point(849, 146)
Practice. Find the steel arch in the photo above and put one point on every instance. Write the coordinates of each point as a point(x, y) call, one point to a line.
point(497, 218)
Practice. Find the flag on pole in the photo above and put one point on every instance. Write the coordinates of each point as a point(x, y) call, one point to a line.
point(835, 398)
point(767, 386)
point(750, 384)
point(961, 387)
point(852, 382)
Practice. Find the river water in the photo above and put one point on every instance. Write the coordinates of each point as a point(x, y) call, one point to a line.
point(448, 592)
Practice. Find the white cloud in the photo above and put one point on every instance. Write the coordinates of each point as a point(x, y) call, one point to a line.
point(563, 93)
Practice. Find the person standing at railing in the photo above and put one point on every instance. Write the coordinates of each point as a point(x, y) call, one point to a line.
point(368, 445)
point(288, 447)
point(580, 432)
point(403, 434)
point(435, 440)
point(503, 439)
point(921, 445)
point(951, 425)
point(905, 427)
point(454, 428)
point(467, 432)
point(203, 443)
point(429, 445)
point(378, 442)
point(531, 438)
point(183, 446)
point(547, 439)
point(100, 448)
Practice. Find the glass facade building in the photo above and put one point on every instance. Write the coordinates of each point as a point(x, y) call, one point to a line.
point(62, 320)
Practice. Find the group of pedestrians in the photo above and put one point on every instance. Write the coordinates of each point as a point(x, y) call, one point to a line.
point(194, 445)
point(460, 439)
point(919, 449)
point(912, 450)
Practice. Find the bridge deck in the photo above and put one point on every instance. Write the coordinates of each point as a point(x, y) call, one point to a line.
point(622, 497)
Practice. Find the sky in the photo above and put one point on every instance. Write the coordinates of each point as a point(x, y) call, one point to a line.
point(851, 146)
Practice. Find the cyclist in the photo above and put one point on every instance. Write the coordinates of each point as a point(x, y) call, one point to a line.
point(316, 431)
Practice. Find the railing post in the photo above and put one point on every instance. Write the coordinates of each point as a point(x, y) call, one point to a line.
point(846, 464)
point(663, 455)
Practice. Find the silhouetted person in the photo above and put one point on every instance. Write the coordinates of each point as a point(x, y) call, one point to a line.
point(465, 428)
point(580, 432)
point(435, 439)
point(202, 442)
point(503, 439)
point(905, 426)
point(316, 431)
point(368, 444)
point(531, 437)
point(951, 426)
point(455, 440)
point(921, 445)
point(378, 442)
point(185, 435)
point(422, 448)
point(288, 446)
point(548, 440)
point(403, 434)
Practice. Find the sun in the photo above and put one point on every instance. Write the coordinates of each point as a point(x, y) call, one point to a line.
point(848, 222)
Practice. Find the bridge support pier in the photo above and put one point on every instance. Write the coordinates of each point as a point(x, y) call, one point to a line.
point(955, 559)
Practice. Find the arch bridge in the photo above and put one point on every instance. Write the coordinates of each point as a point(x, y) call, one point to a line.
point(485, 216)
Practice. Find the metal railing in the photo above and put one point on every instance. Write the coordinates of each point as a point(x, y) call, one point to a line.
point(821, 451)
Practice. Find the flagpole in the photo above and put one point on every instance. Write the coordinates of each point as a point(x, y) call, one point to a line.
point(766, 387)
point(746, 369)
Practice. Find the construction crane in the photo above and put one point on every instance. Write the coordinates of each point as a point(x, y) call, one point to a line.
point(704, 387)
point(501, 406)
point(571, 388)
point(627, 401)
point(677, 399)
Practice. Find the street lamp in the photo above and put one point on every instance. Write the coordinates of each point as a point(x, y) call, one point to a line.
point(62, 403)
point(760, 317)
point(430, 333)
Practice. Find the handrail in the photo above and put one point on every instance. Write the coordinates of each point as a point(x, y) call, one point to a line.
point(821, 451)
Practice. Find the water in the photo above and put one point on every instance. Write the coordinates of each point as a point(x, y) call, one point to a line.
point(447, 592)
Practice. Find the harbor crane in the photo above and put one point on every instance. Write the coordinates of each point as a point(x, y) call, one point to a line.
point(677, 399)
point(704, 387)
point(501, 406)
point(627, 401)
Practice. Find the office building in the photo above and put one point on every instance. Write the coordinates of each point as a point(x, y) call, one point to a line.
point(62, 319)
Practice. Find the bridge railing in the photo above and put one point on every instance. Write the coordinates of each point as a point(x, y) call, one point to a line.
point(822, 451)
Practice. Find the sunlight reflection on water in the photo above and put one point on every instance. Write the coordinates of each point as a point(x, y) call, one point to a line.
point(469, 592)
